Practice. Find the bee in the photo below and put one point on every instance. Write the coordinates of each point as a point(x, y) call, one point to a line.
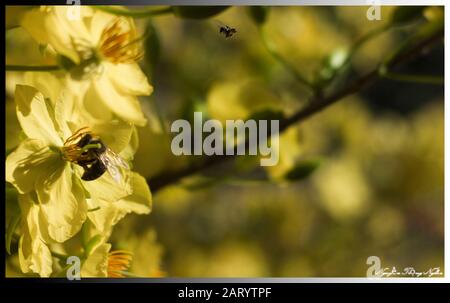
point(226, 30)
point(93, 156)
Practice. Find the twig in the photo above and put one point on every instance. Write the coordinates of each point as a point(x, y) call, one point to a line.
point(316, 105)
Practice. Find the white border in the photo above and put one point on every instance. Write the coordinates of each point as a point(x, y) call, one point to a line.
point(446, 278)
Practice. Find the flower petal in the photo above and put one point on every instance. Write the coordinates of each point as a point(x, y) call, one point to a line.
point(140, 201)
point(34, 117)
point(125, 106)
point(100, 20)
point(32, 160)
point(63, 30)
point(33, 22)
point(70, 112)
point(47, 83)
point(62, 203)
point(96, 265)
point(129, 79)
point(34, 254)
point(115, 134)
point(110, 213)
point(99, 110)
point(107, 189)
point(63, 95)
point(105, 216)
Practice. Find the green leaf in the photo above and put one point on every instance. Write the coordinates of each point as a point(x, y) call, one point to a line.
point(302, 170)
point(406, 14)
point(85, 234)
point(91, 244)
point(258, 14)
point(331, 66)
point(198, 12)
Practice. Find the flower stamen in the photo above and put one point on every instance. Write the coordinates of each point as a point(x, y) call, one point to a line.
point(71, 150)
point(119, 262)
point(119, 42)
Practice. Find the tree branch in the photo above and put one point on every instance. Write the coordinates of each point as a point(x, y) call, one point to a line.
point(316, 105)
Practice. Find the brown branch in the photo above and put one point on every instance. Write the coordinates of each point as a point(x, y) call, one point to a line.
point(313, 107)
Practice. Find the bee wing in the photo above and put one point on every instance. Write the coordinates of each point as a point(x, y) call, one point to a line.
point(116, 159)
point(112, 162)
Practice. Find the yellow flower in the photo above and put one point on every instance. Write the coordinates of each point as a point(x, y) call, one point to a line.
point(101, 51)
point(102, 262)
point(54, 198)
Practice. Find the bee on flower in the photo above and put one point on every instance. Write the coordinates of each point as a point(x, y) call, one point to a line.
point(49, 169)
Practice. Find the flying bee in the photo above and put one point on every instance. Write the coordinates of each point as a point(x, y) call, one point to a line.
point(226, 30)
point(94, 156)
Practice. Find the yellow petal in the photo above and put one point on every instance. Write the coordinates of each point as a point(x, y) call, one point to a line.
point(107, 189)
point(100, 20)
point(129, 79)
point(125, 106)
point(34, 116)
point(31, 161)
point(62, 203)
point(64, 31)
point(33, 23)
point(98, 109)
point(115, 134)
point(105, 216)
point(80, 106)
point(96, 265)
point(47, 83)
point(60, 27)
point(109, 214)
point(140, 201)
point(63, 98)
point(130, 150)
point(34, 254)
point(69, 112)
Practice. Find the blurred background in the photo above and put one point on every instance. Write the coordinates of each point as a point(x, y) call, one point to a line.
point(375, 161)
